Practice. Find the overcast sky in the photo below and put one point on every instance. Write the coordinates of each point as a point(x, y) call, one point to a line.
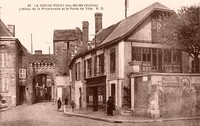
point(42, 23)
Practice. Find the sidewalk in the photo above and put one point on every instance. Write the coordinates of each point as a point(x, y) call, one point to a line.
point(119, 118)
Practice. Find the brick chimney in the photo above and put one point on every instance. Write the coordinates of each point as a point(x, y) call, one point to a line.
point(98, 22)
point(85, 29)
point(11, 28)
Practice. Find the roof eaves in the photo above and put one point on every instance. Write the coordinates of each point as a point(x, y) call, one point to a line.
point(125, 35)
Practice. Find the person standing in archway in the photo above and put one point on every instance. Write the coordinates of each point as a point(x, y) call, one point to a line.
point(59, 104)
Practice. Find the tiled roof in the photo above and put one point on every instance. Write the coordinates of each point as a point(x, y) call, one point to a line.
point(4, 32)
point(63, 35)
point(122, 28)
point(104, 33)
point(128, 24)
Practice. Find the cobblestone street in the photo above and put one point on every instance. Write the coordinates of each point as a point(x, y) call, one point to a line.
point(41, 114)
point(46, 114)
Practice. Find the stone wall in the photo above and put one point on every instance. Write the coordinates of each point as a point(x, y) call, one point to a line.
point(169, 94)
point(8, 71)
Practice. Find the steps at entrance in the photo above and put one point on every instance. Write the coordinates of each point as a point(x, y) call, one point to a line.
point(126, 111)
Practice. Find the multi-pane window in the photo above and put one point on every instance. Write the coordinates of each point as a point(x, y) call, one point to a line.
point(146, 54)
point(100, 97)
point(136, 54)
point(167, 55)
point(101, 64)
point(176, 56)
point(84, 69)
point(160, 57)
point(22, 73)
point(89, 67)
point(112, 60)
point(155, 59)
point(77, 71)
point(4, 84)
point(90, 98)
point(95, 65)
point(66, 45)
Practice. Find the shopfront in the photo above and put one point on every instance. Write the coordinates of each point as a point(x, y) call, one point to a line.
point(96, 93)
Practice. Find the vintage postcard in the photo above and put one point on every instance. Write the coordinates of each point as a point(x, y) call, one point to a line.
point(94, 62)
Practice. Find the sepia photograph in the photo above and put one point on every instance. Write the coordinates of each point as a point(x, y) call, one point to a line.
point(99, 63)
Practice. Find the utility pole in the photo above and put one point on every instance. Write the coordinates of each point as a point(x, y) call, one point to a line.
point(48, 43)
point(126, 6)
point(31, 44)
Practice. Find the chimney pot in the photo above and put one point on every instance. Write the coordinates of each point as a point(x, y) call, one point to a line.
point(98, 22)
point(85, 29)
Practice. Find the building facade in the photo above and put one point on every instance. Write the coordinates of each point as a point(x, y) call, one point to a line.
point(13, 77)
point(126, 61)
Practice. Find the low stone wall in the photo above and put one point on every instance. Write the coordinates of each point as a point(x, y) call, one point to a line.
point(172, 95)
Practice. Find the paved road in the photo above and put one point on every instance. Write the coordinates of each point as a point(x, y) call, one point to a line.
point(45, 114)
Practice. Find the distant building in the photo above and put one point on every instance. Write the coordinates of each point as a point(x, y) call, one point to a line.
point(31, 78)
point(42, 74)
point(67, 43)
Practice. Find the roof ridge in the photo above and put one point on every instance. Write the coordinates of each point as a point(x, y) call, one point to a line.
point(126, 25)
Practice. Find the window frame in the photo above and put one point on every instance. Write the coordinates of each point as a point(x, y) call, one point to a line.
point(22, 73)
point(77, 71)
point(112, 60)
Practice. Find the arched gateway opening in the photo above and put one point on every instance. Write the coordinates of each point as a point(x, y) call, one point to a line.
point(43, 87)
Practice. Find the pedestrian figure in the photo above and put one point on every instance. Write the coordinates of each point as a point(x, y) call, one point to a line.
point(73, 105)
point(110, 106)
point(59, 104)
point(66, 101)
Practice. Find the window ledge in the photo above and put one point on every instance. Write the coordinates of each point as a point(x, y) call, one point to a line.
point(135, 63)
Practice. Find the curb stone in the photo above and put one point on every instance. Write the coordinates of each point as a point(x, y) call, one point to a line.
point(130, 121)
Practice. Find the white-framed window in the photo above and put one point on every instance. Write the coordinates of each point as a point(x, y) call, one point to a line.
point(90, 98)
point(66, 45)
point(4, 84)
point(100, 98)
point(22, 73)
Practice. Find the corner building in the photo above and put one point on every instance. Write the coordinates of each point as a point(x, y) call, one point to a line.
point(127, 62)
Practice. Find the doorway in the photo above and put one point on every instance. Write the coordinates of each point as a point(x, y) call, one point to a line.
point(42, 88)
point(113, 92)
point(95, 98)
point(22, 95)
